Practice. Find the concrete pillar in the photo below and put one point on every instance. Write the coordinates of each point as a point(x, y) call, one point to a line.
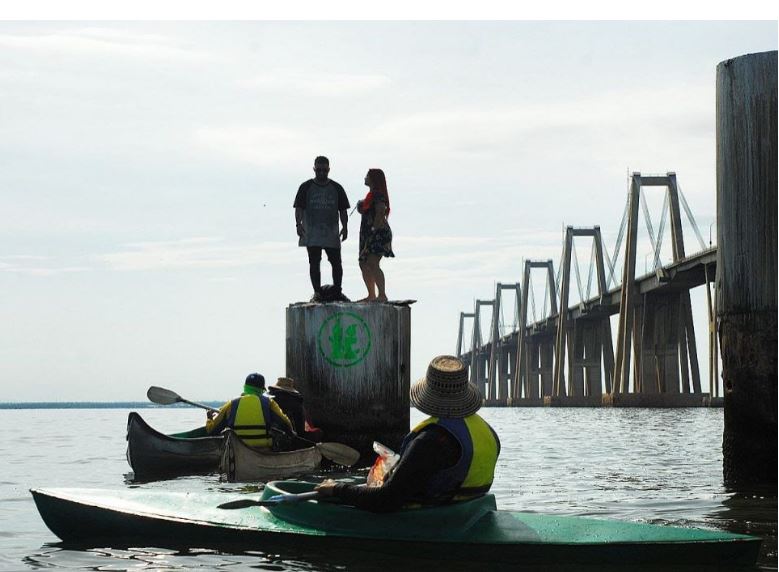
point(351, 363)
point(547, 357)
point(747, 264)
point(503, 372)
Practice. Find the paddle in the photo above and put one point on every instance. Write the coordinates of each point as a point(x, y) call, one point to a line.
point(272, 501)
point(163, 396)
point(338, 453)
point(335, 452)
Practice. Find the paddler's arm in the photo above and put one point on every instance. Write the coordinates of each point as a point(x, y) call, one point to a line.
point(218, 422)
point(433, 450)
point(280, 419)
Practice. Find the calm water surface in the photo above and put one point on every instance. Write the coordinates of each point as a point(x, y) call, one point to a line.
point(657, 466)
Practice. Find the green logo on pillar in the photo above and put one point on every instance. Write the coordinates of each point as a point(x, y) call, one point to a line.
point(344, 339)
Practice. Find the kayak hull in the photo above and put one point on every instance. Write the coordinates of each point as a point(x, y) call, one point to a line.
point(241, 463)
point(154, 455)
point(472, 531)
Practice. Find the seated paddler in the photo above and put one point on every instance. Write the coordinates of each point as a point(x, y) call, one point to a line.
point(449, 457)
point(255, 417)
point(291, 402)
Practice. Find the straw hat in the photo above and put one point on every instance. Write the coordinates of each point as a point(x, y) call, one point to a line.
point(445, 390)
point(286, 384)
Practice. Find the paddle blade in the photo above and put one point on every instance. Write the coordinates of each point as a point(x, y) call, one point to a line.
point(274, 500)
point(162, 396)
point(242, 503)
point(339, 453)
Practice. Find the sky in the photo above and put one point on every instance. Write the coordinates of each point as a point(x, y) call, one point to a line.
point(147, 173)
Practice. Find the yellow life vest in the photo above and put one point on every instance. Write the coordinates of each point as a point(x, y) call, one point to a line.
point(474, 472)
point(251, 419)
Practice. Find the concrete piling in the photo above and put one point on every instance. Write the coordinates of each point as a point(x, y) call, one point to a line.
point(747, 264)
point(351, 362)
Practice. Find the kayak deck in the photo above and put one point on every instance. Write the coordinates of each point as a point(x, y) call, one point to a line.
point(473, 530)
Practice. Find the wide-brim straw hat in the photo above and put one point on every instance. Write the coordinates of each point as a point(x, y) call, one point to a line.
point(445, 390)
point(286, 384)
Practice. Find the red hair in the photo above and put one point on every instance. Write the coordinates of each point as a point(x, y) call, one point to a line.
point(379, 185)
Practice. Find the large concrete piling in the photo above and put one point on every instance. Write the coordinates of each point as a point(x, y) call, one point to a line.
point(747, 264)
point(351, 363)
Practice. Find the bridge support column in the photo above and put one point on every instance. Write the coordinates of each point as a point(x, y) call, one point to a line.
point(664, 346)
point(533, 357)
point(546, 367)
point(747, 264)
point(587, 338)
point(502, 374)
point(659, 325)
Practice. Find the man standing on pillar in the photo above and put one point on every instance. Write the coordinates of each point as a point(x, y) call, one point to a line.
point(319, 204)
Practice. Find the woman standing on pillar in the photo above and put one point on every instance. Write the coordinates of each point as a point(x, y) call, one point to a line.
point(375, 234)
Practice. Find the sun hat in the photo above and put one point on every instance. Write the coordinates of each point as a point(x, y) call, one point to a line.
point(285, 384)
point(445, 390)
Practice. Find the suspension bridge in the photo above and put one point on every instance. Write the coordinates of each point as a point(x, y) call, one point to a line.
point(568, 356)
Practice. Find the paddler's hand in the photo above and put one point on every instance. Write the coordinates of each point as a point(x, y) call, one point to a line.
point(326, 488)
point(211, 414)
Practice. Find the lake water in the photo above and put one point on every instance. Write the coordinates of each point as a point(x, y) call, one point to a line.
point(642, 465)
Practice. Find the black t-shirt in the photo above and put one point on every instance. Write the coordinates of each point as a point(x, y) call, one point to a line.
point(301, 197)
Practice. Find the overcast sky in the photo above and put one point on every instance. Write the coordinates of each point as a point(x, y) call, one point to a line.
point(147, 172)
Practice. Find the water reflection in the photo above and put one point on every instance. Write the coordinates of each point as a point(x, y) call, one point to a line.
point(303, 559)
point(658, 466)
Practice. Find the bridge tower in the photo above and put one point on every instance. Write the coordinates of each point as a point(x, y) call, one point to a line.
point(502, 351)
point(461, 331)
point(479, 357)
point(658, 324)
point(535, 353)
point(587, 338)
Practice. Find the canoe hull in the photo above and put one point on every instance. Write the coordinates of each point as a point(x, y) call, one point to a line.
point(243, 464)
point(154, 455)
point(155, 518)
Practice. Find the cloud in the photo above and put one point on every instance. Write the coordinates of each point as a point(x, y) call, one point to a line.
point(598, 119)
point(260, 145)
point(471, 261)
point(318, 84)
point(197, 252)
point(101, 42)
point(34, 265)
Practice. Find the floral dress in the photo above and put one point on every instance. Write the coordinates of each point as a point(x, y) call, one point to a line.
point(376, 241)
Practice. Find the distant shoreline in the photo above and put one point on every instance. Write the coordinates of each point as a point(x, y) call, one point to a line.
point(94, 405)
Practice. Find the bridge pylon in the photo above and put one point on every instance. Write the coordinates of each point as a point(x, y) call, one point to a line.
point(657, 324)
point(588, 338)
point(500, 352)
point(479, 358)
point(535, 354)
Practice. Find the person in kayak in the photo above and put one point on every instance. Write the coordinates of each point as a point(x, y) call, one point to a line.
point(449, 457)
point(291, 402)
point(255, 417)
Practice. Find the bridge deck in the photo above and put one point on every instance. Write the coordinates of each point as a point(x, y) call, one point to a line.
point(683, 275)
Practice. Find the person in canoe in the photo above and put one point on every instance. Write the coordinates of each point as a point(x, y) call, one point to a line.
point(255, 417)
point(291, 402)
point(447, 458)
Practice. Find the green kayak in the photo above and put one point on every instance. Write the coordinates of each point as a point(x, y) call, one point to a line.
point(472, 531)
